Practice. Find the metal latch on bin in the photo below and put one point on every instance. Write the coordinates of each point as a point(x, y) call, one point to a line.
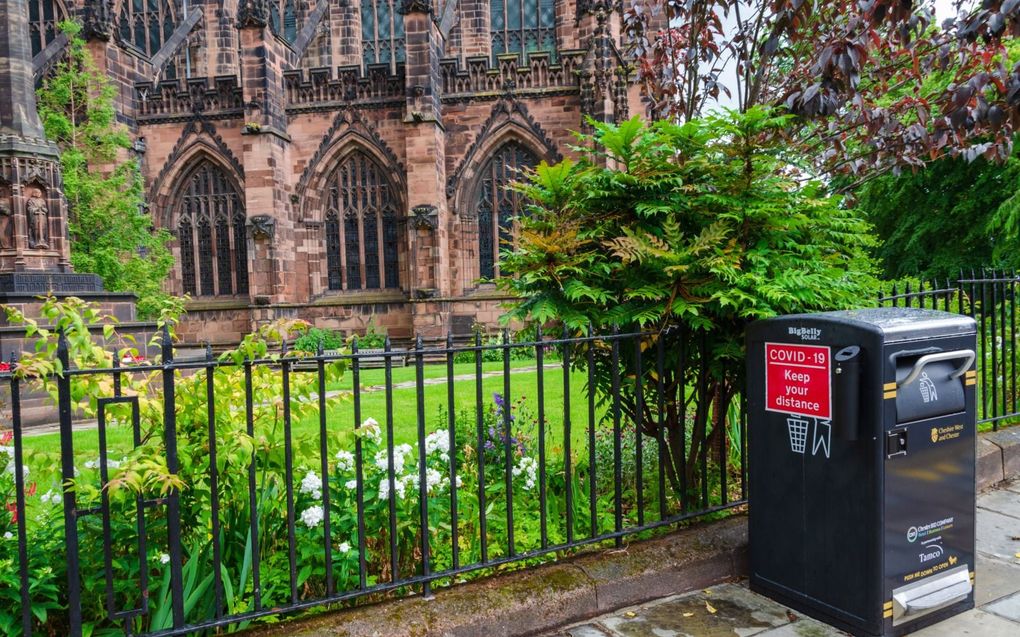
point(931, 594)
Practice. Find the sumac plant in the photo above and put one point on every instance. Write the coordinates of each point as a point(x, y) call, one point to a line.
point(689, 232)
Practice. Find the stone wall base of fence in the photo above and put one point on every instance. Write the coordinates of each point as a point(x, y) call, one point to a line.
point(998, 457)
point(535, 600)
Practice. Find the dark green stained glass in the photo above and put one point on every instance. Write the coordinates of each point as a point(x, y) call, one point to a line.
point(523, 26)
point(147, 24)
point(382, 32)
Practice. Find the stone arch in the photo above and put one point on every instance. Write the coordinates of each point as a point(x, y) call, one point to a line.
point(348, 132)
point(203, 206)
point(170, 182)
point(509, 120)
point(355, 220)
point(484, 205)
point(198, 137)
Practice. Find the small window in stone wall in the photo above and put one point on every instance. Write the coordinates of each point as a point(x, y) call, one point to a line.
point(523, 26)
point(382, 32)
point(44, 18)
point(146, 25)
point(211, 234)
point(362, 235)
point(497, 205)
point(283, 19)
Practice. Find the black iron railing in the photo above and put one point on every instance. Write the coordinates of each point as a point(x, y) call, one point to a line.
point(990, 297)
point(223, 490)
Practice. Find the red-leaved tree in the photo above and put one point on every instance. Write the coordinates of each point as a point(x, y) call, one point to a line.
point(877, 84)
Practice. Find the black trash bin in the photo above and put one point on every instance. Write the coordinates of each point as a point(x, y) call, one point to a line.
point(861, 437)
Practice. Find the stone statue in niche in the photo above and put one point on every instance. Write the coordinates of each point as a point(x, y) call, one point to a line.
point(38, 215)
point(6, 220)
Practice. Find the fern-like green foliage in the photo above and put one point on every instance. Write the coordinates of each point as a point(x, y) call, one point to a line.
point(111, 233)
point(701, 224)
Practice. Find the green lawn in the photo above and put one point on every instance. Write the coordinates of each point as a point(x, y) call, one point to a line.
point(42, 451)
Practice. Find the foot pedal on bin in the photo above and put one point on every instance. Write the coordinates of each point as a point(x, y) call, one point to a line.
point(932, 593)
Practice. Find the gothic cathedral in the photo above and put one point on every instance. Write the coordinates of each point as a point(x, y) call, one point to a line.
point(345, 160)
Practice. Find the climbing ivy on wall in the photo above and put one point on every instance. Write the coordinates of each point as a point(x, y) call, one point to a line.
point(111, 231)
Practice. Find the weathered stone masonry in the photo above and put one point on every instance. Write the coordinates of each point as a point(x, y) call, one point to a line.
point(344, 160)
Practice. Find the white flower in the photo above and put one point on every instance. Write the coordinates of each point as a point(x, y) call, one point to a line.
point(399, 486)
point(433, 479)
point(164, 558)
point(8, 535)
point(312, 516)
point(400, 453)
point(312, 485)
point(51, 498)
point(345, 547)
point(10, 469)
point(344, 461)
point(8, 450)
point(528, 468)
point(438, 441)
point(98, 462)
point(351, 484)
point(370, 428)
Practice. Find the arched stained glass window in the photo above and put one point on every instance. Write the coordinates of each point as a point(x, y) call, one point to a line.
point(362, 236)
point(523, 26)
point(211, 234)
point(43, 18)
point(382, 32)
point(147, 24)
point(497, 205)
point(283, 19)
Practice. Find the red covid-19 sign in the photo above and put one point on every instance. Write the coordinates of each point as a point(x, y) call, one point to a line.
point(797, 380)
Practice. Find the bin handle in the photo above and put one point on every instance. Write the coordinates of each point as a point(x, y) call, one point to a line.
point(921, 362)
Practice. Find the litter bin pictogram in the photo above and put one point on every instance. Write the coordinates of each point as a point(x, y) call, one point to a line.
point(798, 428)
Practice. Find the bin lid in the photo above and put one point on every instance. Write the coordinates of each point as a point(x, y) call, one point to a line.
point(895, 323)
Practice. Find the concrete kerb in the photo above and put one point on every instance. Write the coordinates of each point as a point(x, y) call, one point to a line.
point(532, 601)
point(998, 457)
point(539, 599)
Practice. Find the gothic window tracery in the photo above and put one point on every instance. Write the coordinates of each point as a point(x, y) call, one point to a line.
point(211, 234)
point(43, 18)
point(283, 18)
point(382, 32)
point(496, 205)
point(147, 24)
point(362, 237)
point(523, 26)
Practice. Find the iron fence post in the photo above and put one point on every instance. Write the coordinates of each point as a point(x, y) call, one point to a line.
point(173, 503)
point(74, 619)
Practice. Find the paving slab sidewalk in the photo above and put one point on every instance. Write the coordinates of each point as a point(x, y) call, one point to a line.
point(733, 610)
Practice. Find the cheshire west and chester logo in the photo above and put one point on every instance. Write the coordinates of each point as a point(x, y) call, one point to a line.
point(934, 434)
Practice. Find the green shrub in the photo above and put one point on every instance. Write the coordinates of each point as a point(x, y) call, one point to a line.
point(314, 338)
point(705, 226)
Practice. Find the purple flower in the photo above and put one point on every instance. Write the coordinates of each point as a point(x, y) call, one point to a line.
point(498, 399)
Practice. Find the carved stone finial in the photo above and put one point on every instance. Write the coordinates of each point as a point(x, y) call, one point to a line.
point(415, 6)
point(99, 20)
point(425, 217)
point(252, 13)
point(262, 227)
